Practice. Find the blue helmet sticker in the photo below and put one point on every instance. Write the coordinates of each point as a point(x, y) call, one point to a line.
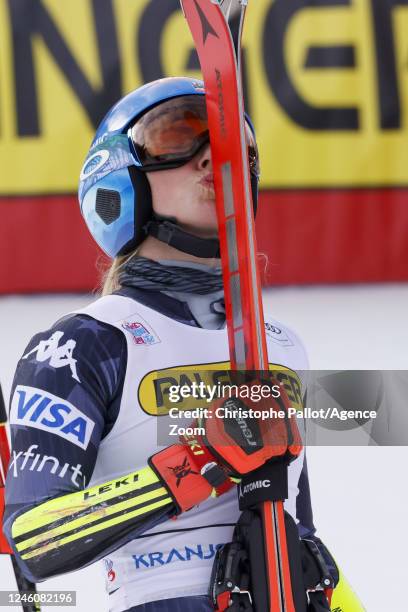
point(94, 162)
point(111, 154)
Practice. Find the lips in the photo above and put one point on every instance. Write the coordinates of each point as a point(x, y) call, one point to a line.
point(207, 180)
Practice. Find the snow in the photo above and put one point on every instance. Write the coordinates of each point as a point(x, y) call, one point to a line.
point(359, 494)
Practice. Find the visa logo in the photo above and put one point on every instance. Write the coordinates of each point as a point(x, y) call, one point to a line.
point(33, 407)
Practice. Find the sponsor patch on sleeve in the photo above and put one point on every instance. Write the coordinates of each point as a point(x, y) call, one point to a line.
point(55, 354)
point(32, 407)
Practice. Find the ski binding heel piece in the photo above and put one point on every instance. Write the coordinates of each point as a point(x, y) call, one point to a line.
point(230, 579)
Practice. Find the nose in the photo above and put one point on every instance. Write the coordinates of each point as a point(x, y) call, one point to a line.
point(204, 161)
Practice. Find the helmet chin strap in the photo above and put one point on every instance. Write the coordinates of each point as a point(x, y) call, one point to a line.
point(167, 231)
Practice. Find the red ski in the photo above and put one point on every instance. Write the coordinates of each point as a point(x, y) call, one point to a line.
point(224, 99)
point(24, 585)
point(4, 461)
point(246, 332)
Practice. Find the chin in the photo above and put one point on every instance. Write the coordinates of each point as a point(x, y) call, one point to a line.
point(206, 193)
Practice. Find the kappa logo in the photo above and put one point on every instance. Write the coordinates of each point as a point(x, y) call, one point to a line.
point(58, 356)
point(140, 333)
point(40, 409)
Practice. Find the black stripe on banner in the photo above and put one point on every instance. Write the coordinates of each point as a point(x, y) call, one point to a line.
point(87, 511)
point(104, 519)
point(335, 56)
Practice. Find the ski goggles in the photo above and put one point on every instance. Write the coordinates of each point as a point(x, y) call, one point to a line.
point(171, 134)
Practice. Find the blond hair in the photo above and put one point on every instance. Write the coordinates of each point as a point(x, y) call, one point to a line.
point(110, 275)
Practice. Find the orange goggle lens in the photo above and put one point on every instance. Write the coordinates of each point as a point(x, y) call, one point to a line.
point(171, 134)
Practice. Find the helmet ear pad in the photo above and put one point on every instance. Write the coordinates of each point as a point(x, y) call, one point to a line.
point(143, 208)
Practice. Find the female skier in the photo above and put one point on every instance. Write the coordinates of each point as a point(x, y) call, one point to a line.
point(89, 478)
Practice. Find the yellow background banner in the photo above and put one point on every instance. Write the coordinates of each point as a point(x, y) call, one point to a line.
point(327, 85)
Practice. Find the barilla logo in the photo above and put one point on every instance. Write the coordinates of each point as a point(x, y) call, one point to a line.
point(36, 408)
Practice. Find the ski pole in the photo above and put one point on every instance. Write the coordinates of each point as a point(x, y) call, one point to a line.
point(24, 586)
